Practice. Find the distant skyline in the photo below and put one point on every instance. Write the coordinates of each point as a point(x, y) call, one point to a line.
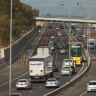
point(53, 7)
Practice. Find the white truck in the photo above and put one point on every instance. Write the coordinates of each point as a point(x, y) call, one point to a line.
point(38, 65)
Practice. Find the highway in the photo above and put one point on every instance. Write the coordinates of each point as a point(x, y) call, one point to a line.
point(21, 71)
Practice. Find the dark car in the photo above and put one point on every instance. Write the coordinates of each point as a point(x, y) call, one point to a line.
point(55, 68)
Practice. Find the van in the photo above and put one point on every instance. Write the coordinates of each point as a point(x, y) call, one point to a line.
point(91, 43)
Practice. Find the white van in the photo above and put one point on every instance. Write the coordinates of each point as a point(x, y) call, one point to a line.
point(91, 43)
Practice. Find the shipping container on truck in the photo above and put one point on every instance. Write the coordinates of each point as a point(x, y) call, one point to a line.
point(38, 65)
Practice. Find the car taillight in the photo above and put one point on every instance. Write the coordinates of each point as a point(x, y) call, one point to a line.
point(31, 71)
point(41, 71)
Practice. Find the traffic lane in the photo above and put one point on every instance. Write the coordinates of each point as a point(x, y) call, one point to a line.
point(17, 70)
point(79, 87)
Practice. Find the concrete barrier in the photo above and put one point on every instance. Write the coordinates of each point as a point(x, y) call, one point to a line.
point(19, 46)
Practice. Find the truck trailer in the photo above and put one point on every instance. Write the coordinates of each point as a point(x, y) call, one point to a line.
point(38, 67)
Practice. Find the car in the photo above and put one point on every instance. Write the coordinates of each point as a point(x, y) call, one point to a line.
point(50, 43)
point(55, 68)
point(16, 94)
point(80, 38)
point(52, 82)
point(69, 62)
point(23, 84)
point(57, 28)
point(59, 34)
point(51, 51)
point(91, 86)
point(49, 69)
point(66, 70)
point(63, 51)
point(51, 47)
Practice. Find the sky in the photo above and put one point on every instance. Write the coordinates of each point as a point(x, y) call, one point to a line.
point(84, 8)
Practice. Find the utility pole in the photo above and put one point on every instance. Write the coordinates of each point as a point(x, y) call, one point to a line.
point(10, 74)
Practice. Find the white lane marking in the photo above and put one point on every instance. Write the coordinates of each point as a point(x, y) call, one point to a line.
point(13, 79)
point(83, 93)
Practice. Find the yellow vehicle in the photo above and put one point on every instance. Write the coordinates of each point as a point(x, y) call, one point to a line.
point(76, 52)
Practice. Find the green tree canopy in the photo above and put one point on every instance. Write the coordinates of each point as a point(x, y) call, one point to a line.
point(23, 20)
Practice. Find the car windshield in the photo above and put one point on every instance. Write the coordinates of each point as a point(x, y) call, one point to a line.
point(52, 79)
point(22, 80)
point(66, 69)
point(91, 43)
point(92, 83)
point(67, 60)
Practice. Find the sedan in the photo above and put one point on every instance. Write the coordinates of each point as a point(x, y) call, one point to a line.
point(52, 82)
point(63, 51)
point(91, 86)
point(66, 70)
point(23, 83)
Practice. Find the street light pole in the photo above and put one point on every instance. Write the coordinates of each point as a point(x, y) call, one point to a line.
point(69, 13)
point(10, 48)
point(88, 26)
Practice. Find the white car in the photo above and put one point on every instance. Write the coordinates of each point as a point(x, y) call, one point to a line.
point(66, 70)
point(57, 28)
point(23, 83)
point(52, 82)
point(63, 51)
point(69, 62)
point(91, 86)
point(59, 34)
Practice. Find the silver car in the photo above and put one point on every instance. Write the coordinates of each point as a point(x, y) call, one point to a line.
point(66, 70)
point(52, 82)
point(91, 86)
point(23, 84)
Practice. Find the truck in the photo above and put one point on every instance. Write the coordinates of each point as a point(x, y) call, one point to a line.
point(76, 52)
point(39, 66)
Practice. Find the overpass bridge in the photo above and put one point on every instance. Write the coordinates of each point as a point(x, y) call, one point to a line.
point(74, 20)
